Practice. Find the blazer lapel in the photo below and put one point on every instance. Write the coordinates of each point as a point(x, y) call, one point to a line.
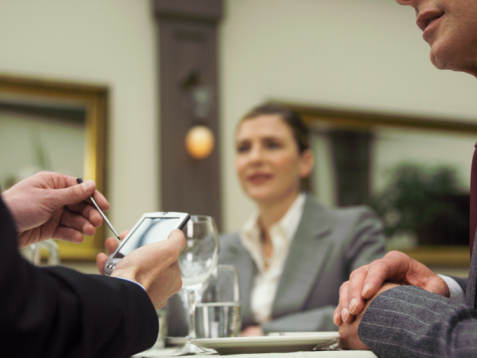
point(308, 252)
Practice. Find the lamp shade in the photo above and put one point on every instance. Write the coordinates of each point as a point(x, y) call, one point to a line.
point(199, 141)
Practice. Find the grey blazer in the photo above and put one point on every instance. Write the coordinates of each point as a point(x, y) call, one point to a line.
point(328, 245)
point(407, 321)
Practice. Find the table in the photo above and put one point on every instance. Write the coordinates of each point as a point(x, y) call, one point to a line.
point(169, 352)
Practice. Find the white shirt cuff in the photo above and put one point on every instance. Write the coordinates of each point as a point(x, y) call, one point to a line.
point(456, 292)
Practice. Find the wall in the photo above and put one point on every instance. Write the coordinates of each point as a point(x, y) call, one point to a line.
point(103, 42)
point(365, 54)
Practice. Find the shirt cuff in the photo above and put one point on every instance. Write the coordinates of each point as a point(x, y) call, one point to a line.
point(456, 292)
point(127, 279)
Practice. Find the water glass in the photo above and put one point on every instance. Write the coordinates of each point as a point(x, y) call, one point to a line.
point(33, 253)
point(218, 312)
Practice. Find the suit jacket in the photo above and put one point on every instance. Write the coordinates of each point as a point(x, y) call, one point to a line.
point(327, 246)
point(57, 312)
point(407, 321)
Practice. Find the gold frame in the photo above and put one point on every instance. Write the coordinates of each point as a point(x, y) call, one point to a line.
point(443, 256)
point(94, 98)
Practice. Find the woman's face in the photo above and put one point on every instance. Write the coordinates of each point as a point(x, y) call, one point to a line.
point(267, 160)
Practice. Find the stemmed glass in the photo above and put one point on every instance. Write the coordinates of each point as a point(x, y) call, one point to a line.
point(33, 252)
point(198, 259)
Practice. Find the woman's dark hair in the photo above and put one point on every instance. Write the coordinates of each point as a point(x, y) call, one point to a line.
point(290, 117)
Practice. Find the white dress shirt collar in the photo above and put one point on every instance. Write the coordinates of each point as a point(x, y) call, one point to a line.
point(281, 233)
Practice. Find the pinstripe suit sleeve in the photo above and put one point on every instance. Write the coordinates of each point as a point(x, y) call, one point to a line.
point(407, 321)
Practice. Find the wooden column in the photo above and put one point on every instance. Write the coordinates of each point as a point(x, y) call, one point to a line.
point(188, 84)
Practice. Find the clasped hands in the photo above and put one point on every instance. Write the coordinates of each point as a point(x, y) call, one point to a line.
point(368, 281)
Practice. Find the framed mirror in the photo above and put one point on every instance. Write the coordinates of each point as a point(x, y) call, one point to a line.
point(414, 171)
point(57, 126)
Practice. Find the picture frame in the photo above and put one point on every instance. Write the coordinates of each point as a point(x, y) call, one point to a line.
point(57, 125)
point(405, 134)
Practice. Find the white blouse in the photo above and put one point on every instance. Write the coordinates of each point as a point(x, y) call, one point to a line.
point(265, 283)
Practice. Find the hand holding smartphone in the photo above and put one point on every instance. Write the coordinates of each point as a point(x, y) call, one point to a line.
point(151, 227)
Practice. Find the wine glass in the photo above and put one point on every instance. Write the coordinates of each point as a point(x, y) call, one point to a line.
point(33, 253)
point(198, 259)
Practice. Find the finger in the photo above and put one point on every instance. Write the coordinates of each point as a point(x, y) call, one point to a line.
point(101, 200)
point(111, 244)
point(355, 290)
point(88, 211)
point(389, 268)
point(77, 222)
point(346, 316)
point(337, 316)
point(68, 234)
point(101, 259)
point(342, 303)
point(342, 312)
point(164, 254)
point(178, 238)
point(73, 194)
point(437, 285)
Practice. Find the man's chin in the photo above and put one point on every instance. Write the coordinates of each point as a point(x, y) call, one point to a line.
point(438, 62)
point(458, 67)
point(443, 58)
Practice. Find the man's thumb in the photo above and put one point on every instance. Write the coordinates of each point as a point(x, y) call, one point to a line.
point(75, 194)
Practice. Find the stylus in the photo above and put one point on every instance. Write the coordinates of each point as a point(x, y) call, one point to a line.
point(79, 180)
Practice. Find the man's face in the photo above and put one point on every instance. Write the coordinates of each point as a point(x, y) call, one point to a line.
point(450, 29)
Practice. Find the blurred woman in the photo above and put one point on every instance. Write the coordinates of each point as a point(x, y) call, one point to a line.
point(292, 254)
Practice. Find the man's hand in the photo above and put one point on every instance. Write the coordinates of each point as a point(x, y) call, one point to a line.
point(52, 205)
point(252, 331)
point(349, 338)
point(365, 281)
point(154, 266)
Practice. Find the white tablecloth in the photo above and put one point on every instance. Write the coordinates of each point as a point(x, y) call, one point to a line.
point(170, 352)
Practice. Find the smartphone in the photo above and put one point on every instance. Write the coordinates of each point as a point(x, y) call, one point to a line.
point(151, 227)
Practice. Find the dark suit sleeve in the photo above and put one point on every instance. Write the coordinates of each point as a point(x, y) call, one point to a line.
point(58, 312)
point(407, 321)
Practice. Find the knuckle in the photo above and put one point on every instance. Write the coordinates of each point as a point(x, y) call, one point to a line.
point(344, 286)
point(359, 271)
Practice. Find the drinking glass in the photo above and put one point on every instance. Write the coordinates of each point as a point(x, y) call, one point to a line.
point(161, 336)
point(33, 253)
point(218, 312)
point(198, 259)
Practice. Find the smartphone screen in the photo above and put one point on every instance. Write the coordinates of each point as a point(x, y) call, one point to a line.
point(149, 230)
